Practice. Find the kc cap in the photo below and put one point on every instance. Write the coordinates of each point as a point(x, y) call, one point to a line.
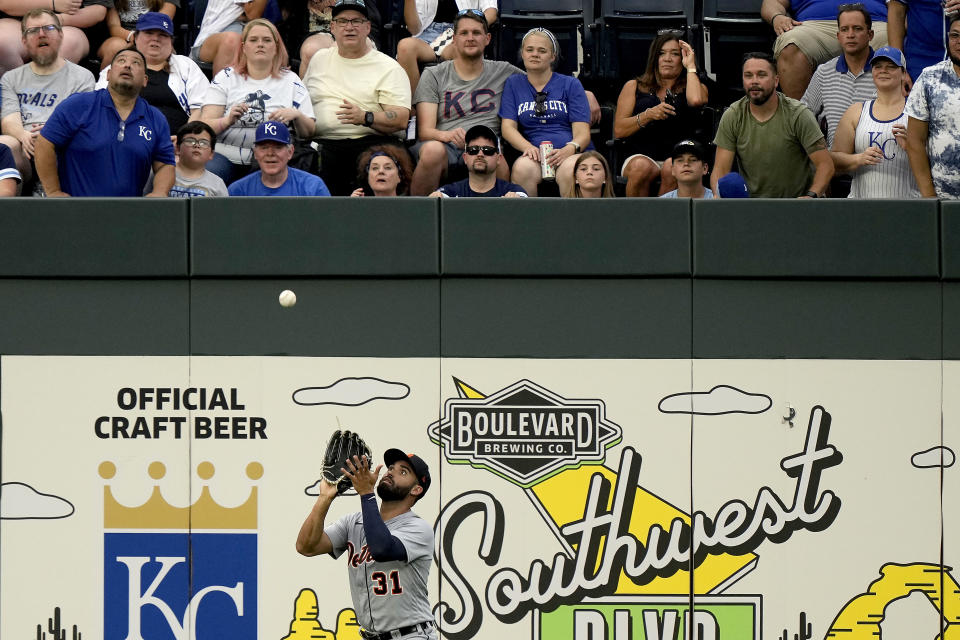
point(420, 467)
point(892, 54)
point(154, 20)
point(353, 5)
point(732, 186)
point(689, 146)
point(482, 131)
point(273, 131)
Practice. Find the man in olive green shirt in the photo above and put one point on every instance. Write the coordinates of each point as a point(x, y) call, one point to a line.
point(780, 148)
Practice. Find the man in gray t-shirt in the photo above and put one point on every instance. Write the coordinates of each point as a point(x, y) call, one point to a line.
point(32, 91)
point(454, 96)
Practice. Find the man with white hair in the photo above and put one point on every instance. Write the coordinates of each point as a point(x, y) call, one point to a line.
point(272, 150)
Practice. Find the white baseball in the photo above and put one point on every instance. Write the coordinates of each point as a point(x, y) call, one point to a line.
point(287, 298)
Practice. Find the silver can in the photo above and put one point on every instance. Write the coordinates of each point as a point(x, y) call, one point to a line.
point(546, 171)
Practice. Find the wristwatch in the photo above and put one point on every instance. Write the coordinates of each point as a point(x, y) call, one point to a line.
point(576, 146)
point(812, 194)
point(368, 118)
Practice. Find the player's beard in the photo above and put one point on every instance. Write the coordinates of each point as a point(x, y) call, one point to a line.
point(390, 493)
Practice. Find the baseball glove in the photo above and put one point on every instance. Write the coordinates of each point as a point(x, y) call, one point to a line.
point(342, 446)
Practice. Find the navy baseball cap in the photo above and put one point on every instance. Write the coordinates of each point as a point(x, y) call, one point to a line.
point(732, 186)
point(892, 54)
point(155, 20)
point(272, 131)
point(689, 146)
point(420, 467)
point(354, 5)
point(481, 131)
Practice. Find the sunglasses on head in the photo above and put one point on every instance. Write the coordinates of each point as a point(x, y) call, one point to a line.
point(474, 149)
point(471, 12)
point(673, 32)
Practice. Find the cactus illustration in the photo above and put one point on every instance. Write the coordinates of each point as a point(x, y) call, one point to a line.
point(805, 632)
point(55, 630)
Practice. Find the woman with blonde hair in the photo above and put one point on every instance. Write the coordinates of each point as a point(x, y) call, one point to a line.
point(544, 106)
point(591, 177)
point(656, 111)
point(257, 88)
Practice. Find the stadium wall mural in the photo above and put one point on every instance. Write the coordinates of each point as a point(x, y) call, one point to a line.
point(159, 498)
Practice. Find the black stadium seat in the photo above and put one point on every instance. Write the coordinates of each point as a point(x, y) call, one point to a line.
point(627, 27)
point(730, 29)
point(567, 20)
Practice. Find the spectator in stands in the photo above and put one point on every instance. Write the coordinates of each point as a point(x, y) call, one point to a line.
point(846, 79)
point(871, 138)
point(73, 17)
point(919, 29)
point(222, 31)
point(195, 144)
point(105, 142)
point(689, 167)
point(540, 106)
point(591, 177)
point(32, 91)
point(384, 170)
point(657, 110)
point(259, 88)
point(454, 96)
point(309, 27)
point(175, 84)
point(933, 109)
point(123, 23)
point(481, 153)
point(9, 176)
point(273, 151)
point(776, 140)
point(808, 38)
point(360, 95)
point(431, 23)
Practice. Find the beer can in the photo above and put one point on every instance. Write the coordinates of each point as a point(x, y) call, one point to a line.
point(546, 171)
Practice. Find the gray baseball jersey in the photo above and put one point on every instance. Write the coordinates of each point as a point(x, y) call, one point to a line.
point(386, 595)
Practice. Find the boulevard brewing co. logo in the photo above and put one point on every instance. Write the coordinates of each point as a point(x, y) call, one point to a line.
point(524, 432)
point(161, 562)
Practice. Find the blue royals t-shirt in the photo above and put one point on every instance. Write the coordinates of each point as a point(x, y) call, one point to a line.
point(298, 183)
point(566, 102)
point(100, 155)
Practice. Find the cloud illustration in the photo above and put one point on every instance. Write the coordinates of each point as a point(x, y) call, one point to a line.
point(933, 457)
point(352, 392)
point(19, 501)
point(719, 400)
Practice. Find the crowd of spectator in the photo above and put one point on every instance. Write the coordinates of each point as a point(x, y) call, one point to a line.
point(855, 99)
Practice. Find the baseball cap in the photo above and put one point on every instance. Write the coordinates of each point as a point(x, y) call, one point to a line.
point(689, 146)
point(354, 5)
point(155, 20)
point(481, 131)
point(732, 186)
point(272, 131)
point(420, 467)
point(892, 54)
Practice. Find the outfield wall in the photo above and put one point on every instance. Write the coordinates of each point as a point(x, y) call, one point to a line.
point(770, 382)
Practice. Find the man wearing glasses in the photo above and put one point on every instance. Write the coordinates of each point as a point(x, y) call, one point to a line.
point(32, 91)
point(104, 143)
point(361, 97)
point(481, 154)
point(195, 144)
point(933, 111)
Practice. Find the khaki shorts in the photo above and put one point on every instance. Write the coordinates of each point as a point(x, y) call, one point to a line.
point(817, 39)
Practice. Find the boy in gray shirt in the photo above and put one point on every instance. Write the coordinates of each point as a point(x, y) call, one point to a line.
point(195, 143)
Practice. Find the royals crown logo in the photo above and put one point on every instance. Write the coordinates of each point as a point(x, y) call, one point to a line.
point(162, 561)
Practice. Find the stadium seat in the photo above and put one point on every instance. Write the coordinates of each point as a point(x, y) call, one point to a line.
point(627, 27)
point(567, 20)
point(730, 29)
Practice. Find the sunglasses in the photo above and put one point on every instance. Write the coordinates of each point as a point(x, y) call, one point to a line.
point(471, 12)
point(852, 6)
point(540, 103)
point(474, 149)
point(673, 32)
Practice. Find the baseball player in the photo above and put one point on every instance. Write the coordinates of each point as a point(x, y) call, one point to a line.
point(389, 549)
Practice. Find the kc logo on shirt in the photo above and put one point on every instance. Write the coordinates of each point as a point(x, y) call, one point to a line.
point(145, 133)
